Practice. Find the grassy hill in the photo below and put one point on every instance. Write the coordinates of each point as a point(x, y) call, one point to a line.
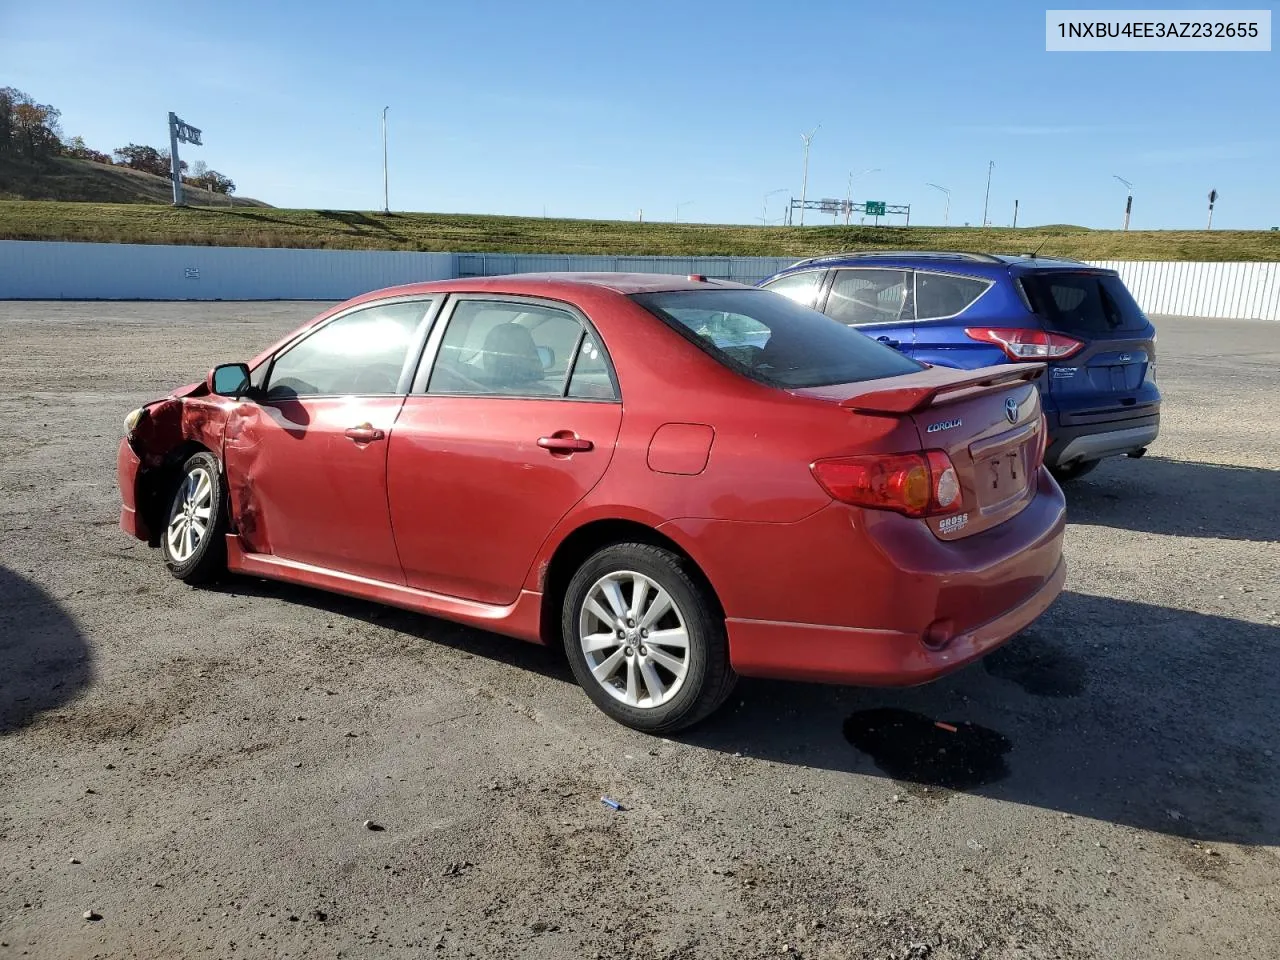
point(270, 227)
point(63, 178)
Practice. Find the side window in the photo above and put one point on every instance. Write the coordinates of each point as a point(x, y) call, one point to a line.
point(590, 379)
point(800, 287)
point(939, 295)
point(505, 349)
point(870, 296)
point(361, 354)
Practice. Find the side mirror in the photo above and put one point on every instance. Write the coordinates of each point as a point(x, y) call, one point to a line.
point(229, 380)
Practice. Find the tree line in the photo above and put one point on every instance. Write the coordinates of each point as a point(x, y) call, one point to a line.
point(32, 132)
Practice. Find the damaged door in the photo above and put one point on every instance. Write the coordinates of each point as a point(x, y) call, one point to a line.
point(307, 460)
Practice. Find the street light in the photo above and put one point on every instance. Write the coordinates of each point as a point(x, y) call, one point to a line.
point(764, 211)
point(991, 165)
point(678, 206)
point(848, 193)
point(1128, 204)
point(946, 215)
point(804, 183)
point(386, 206)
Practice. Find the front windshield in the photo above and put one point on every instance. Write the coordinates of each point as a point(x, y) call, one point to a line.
point(772, 339)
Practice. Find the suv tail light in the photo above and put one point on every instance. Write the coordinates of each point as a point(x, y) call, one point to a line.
point(915, 484)
point(1023, 344)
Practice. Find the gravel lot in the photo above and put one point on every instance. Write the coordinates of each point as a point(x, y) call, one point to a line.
point(196, 766)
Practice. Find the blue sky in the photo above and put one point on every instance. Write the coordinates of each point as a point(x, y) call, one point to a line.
point(602, 109)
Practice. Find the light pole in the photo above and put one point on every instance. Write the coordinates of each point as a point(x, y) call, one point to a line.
point(386, 205)
point(804, 183)
point(764, 210)
point(1213, 198)
point(991, 165)
point(946, 213)
point(678, 206)
point(848, 192)
point(1128, 204)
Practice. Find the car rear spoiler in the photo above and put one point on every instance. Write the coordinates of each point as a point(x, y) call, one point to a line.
point(939, 385)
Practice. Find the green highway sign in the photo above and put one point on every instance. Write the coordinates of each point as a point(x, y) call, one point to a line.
point(875, 208)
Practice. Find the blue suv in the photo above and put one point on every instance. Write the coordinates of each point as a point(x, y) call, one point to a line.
point(973, 310)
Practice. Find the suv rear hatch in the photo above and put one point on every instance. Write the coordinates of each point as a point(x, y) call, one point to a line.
point(1112, 375)
point(988, 423)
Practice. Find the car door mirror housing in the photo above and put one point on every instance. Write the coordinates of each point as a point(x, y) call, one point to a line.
point(229, 380)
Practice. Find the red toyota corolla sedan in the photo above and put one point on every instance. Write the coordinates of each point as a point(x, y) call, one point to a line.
point(681, 480)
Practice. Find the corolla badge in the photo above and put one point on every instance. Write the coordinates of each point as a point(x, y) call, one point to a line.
point(1011, 409)
point(944, 425)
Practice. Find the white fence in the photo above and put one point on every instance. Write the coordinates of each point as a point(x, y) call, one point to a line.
point(31, 270)
point(1226, 290)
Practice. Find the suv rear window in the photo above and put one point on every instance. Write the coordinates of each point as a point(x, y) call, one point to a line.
point(773, 340)
point(1083, 302)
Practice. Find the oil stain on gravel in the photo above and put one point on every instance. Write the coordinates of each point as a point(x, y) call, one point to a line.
point(911, 747)
point(1038, 667)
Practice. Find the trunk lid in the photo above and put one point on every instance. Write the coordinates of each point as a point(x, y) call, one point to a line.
point(987, 421)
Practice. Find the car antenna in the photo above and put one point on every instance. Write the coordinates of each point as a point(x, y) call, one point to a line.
point(1038, 249)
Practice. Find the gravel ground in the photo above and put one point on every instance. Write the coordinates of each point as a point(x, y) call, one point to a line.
point(196, 767)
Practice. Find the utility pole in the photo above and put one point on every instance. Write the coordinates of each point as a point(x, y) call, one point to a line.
point(804, 182)
point(764, 211)
point(1213, 196)
point(678, 206)
point(1015, 213)
point(1128, 204)
point(946, 213)
point(848, 193)
point(386, 205)
point(990, 166)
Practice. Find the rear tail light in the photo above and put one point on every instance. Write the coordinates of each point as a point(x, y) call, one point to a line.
point(914, 484)
point(1023, 344)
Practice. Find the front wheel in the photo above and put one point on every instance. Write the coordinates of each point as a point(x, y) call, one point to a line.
point(645, 638)
point(194, 541)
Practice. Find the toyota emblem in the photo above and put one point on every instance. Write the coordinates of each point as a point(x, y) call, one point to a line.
point(1011, 409)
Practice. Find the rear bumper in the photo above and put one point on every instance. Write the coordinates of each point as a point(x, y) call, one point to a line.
point(1097, 440)
point(878, 658)
point(850, 596)
point(127, 466)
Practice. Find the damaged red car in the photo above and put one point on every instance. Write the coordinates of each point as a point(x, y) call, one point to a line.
point(678, 480)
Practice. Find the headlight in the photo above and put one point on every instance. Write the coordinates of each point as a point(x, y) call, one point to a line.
point(131, 421)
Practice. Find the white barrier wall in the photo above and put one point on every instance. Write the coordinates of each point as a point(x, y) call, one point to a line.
point(31, 270)
point(126, 271)
point(1226, 290)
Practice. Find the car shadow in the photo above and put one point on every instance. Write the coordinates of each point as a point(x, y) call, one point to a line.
point(517, 654)
point(1126, 712)
point(1180, 498)
point(44, 659)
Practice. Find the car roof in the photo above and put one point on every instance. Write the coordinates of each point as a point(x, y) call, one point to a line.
point(979, 264)
point(562, 284)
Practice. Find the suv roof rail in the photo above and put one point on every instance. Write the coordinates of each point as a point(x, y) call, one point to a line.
point(923, 254)
point(1036, 256)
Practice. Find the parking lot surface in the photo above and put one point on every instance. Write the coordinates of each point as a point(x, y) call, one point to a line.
point(195, 767)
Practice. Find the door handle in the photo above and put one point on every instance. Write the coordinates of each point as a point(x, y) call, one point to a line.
point(365, 433)
point(889, 342)
point(558, 443)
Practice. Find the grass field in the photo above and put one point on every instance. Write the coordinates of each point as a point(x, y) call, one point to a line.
point(69, 179)
point(271, 227)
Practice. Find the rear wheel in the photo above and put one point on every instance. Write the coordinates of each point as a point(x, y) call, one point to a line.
point(1074, 471)
point(194, 540)
point(646, 639)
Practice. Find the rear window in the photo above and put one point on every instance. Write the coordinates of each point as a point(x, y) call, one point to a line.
point(1083, 302)
point(774, 340)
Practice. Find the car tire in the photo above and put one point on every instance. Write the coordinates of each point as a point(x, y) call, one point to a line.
point(1074, 471)
point(194, 536)
point(632, 665)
